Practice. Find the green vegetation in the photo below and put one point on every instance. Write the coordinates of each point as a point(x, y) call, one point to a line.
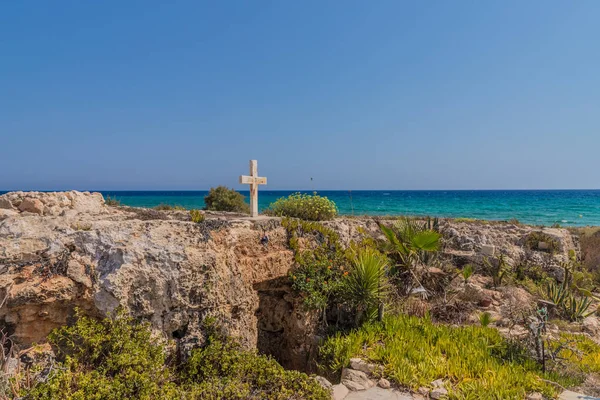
point(112, 201)
point(411, 242)
point(485, 319)
point(533, 240)
point(224, 199)
point(120, 359)
point(319, 271)
point(477, 361)
point(467, 272)
point(572, 306)
point(366, 286)
point(304, 206)
point(168, 207)
point(498, 269)
point(197, 216)
point(583, 353)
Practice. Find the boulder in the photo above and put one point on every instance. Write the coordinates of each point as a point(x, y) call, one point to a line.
point(356, 380)
point(6, 204)
point(438, 393)
point(361, 365)
point(32, 205)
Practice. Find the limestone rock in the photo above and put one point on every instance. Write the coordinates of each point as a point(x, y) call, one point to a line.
point(6, 204)
point(361, 365)
point(384, 383)
point(438, 383)
point(438, 393)
point(339, 392)
point(535, 396)
point(6, 213)
point(324, 382)
point(32, 205)
point(77, 272)
point(356, 380)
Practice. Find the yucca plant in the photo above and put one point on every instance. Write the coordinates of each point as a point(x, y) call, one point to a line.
point(366, 284)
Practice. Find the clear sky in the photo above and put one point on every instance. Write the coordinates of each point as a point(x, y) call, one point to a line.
point(355, 94)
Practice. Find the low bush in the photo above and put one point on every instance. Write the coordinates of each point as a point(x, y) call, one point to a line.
point(197, 216)
point(477, 362)
point(224, 199)
point(112, 201)
point(304, 206)
point(168, 207)
point(532, 241)
point(121, 359)
point(222, 370)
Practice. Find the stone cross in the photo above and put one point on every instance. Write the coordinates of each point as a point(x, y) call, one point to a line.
point(253, 180)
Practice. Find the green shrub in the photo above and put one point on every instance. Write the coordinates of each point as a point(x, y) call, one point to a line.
point(223, 370)
point(319, 270)
point(112, 201)
point(110, 359)
point(197, 216)
point(168, 207)
point(533, 240)
point(304, 206)
point(477, 361)
point(121, 359)
point(224, 199)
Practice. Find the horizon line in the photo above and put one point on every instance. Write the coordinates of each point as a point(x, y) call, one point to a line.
point(299, 190)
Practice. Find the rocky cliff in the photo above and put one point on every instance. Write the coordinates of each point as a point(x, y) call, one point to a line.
point(62, 251)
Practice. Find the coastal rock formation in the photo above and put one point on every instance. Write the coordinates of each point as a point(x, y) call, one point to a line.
point(68, 250)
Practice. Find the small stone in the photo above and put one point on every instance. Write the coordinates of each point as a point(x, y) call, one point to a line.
point(339, 392)
point(543, 246)
point(423, 391)
point(384, 383)
point(488, 250)
point(361, 365)
point(32, 205)
point(438, 383)
point(535, 396)
point(438, 393)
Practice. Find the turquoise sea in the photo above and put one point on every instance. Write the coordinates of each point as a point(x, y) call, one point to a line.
point(540, 207)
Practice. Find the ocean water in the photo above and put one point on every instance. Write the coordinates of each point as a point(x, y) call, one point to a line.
point(539, 207)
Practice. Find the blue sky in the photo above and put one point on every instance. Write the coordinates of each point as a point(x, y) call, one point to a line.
point(356, 94)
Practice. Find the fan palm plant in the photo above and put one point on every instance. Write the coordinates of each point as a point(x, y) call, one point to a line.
point(411, 244)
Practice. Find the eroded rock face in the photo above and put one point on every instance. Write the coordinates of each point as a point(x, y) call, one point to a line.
point(76, 252)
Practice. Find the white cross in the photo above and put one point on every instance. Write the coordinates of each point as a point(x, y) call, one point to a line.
point(253, 180)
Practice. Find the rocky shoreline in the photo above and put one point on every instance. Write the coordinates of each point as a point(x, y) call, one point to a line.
point(69, 250)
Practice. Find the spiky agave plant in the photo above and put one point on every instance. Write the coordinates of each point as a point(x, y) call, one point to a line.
point(366, 285)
